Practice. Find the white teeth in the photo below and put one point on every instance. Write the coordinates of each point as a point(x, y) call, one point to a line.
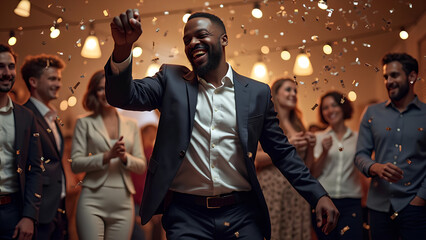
point(197, 53)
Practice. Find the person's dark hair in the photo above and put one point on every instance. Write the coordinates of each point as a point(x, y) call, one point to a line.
point(408, 63)
point(215, 19)
point(346, 106)
point(34, 66)
point(295, 115)
point(90, 100)
point(5, 48)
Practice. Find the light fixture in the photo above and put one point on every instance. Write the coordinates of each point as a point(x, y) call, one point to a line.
point(264, 49)
point(322, 4)
point(72, 101)
point(259, 71)
point(186, 16)
point(54, 32)
point(137, 51)
point(63, 105)
point(403, 34)
point(256, 12)
point(91, 48)
point(23, 8)
point(302, 65)
point(352, 96)
point(285, 55)
point(327, 49)
point(12, 39)
point(153, 68)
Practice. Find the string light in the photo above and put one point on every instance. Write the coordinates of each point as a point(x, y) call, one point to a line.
point(186, 16)
point(153, 68)
point(256, 12)
point(327, 49)
point(403, 34)
point(302, 65)
point(91, 48)
point(137, 51)
point(322, 4)
point(23, 8)
point(285, 55)
point(12, 40)
point(54, 32)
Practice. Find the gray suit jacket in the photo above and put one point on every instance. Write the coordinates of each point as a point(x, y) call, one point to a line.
point(173, 90)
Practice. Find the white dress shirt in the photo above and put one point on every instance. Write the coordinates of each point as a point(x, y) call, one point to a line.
point(9, 182)
point(214, 162)
point(340, 178)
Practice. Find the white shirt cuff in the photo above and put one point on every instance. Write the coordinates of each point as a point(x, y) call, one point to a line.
point(117, 68)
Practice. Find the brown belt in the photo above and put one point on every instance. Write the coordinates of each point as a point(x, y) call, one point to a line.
point(5, 199)
point(212, 201)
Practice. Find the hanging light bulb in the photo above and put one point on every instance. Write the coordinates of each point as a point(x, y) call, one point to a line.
point(153, 68)
point(91, 48)
point(63, 105)
point(12, 39)
point(264, 49)
point(352, 96)
point(23, 8)
point(256, 12)
point(322, 4)
point(72, 101)
point(54, 32)
point(137, 51)
point(186, 16)
point(285, 55)
point(327, 49)
point(403, 34)
point(302, 65)
point(259, 72)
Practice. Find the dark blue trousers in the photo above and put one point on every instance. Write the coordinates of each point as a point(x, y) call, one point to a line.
point(55, 230)
point(187, 221)
point(409, 224)
point(349, 226)
point(10, 215)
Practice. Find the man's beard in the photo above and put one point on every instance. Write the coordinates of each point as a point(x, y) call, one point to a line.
point(6, 89)
point(402, 91)
point(214, 56)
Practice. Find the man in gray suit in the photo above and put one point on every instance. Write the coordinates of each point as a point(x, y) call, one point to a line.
point(201, 174)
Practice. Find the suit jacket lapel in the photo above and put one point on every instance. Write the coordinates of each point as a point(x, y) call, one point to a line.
point(192, 90)
point(19, 134)
point(242, 97)
point(98, 125)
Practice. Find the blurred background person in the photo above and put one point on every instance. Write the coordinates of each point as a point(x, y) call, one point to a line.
point(334, 167)
point(107, 146)
point(289, 212)
point(43, 77)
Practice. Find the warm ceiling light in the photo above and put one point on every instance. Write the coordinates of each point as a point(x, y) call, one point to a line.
point(12, 39)
point(259, 72)
point(285, 55)
point(54, 32)
point(322, 4)
point(327, 49)
point(153, 68)
point(137, 51)
point(302, 65)
point(352, 96)
point(256, 12)
point(72, 101)
point(186, 16)
point(403, 34)
point(91, 48)
point(63, 105)
point(264, 49)
point(23, 8)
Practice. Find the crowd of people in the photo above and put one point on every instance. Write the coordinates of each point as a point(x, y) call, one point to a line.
point(230, 158)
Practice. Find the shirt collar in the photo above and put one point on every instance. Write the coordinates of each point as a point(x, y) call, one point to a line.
point(415, 103)
point(347, 134)
point(44, 110)
point(8, 107)
point(229, 77)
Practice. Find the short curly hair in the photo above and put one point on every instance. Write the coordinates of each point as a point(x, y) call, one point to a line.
point(34, 65)
point(346, 106)
point(408, 63)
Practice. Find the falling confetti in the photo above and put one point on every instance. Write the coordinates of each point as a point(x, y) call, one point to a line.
point(420, 129)
point(60, 121)
point(36, 134)
point(47, 161)
point(394, 215)
point(342, 83)
point(407, 184)
point(249, 154)
point(226, 224)
point(48, 130)
point(409, 161)
point(37, 195)
point(76, 85)
point(314, 107)
point(388, 129)
point(61, 210)
point(342, 231)
point(72, 91)
point(105, 12)
point(19, 170)
point(340, 149)
point(366, 226)
point(69, 160)
point(237, 234)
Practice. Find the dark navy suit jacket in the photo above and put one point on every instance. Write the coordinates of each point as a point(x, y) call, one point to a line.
point(27, 155)
point(52, 176)
point(173, 90)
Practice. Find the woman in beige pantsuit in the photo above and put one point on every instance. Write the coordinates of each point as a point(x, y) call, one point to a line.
point(106, 146)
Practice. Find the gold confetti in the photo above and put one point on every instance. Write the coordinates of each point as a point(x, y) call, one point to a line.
point(420, 129)
point(48, 130)
point(370, 120)
point(344, 230)
point(90, 154)
point(353, 214)
point(315, 106)
point(69, 160)
point(60, 121)
point(61, 210)
point(342, 83)
point(105, 12)
point(226, 224)
point(342, 100)
point(42, 167)
point(400, 148)
point(394, 215)
point(366, 226)
point(36, 134)
point(409, 161)
point(340, 149)
point(47, 161)
point(42, 158)
point(72, 90)
point(37, 195)
point(237, 234)
point(18, 152)
point(19, 170)
point(407, 184)
point(388, 129)
point(29, 167)
point(249, 154)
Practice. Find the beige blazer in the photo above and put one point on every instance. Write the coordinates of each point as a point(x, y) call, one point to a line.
point(91, 141)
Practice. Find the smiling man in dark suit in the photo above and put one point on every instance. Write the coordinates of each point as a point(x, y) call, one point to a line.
point(42, 75)
point(20, 172)
point(202, 174)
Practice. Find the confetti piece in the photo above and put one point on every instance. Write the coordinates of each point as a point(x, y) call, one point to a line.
point(37, 195)
point(370, 120)
point(72, 91)
point(59, 121)
point(237, 234)
point(61, 210)
point(409, 161)
point(29, 167)
point(315, 106)
point(105, 12)
point(420, 129)
point(69, 160)
point(366, 226)
point(249, 154)
point(342, 231)
point(342, 100)
point(47, 161)
point(394, 215)
point(226, 224)
point(76, 85)
point(42, 167)
point(36, 134)
point(19, 170)
point(18, 152)
point(407, 184)
point(342, 83)
point(340, 149)
point(400, 148)
point(388, 129)
point(353, 214)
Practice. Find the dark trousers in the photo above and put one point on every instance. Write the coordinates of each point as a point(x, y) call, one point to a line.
point(10, 215)
point(349, 225)
point(55, 230)
point(188, 221)
point(409, 224)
